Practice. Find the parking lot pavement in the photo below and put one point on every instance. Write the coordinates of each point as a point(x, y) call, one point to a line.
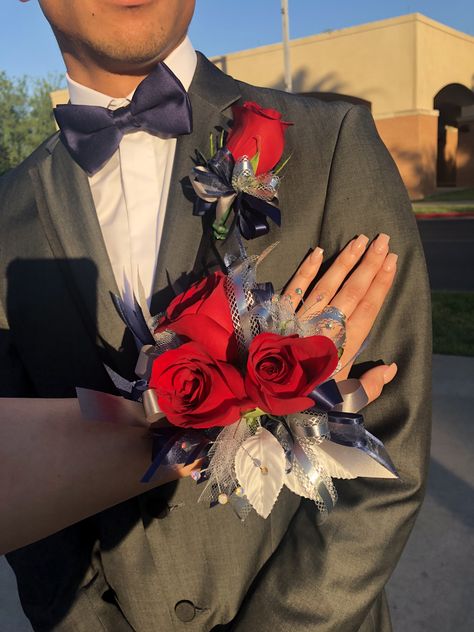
point(433, 586)
point(449, 252)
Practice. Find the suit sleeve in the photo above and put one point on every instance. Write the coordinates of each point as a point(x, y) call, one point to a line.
point(327, 578)
point(14, 381)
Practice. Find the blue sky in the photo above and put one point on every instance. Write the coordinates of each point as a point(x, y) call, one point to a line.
point(221, 26)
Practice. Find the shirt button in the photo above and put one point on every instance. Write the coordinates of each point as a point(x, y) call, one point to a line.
point(185, 611)
point(157, 508)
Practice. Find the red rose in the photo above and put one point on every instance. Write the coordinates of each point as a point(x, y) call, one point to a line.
point(257, 129)
point(283, 370)
point(196, 391)
point(202, 314)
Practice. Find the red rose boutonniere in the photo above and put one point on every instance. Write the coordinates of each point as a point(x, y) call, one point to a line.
point(242, 174)
point(258, 133)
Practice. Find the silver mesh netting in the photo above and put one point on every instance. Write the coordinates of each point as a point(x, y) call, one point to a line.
point(310, 424)
point(166, 340)
point(314, 426)
point(238, 288)
point(264, 186)
point(310, 448)
point(221, 471)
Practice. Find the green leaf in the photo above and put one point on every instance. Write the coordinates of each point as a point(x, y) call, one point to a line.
point(201, 159)
point(221, 139)
point(254, 161)
point(281, 165)
point(211, 144)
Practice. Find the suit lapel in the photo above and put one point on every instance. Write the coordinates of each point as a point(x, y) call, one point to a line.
point(68, 215)
point(211, 92)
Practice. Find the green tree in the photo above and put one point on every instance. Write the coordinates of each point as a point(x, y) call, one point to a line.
point(26, 116)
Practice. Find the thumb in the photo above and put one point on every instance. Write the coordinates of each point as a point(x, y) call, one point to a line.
point(375, 379)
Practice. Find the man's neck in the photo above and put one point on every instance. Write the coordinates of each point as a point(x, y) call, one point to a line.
point(115, 85)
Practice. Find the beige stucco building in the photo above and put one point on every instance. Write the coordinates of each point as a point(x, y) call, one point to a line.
point(417, 75)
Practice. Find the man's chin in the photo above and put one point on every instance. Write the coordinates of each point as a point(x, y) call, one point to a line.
point(124, 58)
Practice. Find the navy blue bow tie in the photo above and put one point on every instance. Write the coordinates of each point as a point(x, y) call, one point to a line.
point(92, 133)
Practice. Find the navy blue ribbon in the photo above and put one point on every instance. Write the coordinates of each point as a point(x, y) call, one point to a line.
point(251, 212)
point(282, 433)
point(325, 396)
point(168, 447)
point(348, 429)
point(91, 134)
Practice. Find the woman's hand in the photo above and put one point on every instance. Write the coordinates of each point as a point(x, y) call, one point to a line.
point(360, 297)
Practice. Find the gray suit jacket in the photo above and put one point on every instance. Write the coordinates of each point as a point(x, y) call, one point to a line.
point(161, 562)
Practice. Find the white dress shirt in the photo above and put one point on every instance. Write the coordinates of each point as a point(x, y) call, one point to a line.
point(130, 191)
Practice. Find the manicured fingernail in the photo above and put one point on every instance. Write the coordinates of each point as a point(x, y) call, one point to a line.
point(359, 244)
point(390, 373)
point(316, 255)
point(390, 262)
point(381, 243)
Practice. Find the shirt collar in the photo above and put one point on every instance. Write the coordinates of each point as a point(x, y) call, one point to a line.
point(181, 61)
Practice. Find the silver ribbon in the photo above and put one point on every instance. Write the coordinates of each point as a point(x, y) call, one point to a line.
point(264, 186)
point(244, 180)
point(313, 475)
point(353, 395)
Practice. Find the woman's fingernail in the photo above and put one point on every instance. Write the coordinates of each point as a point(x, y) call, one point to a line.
point(390, 373)
point(316, 254)
point(381, 243)
point(359, 244)
point(390, 262)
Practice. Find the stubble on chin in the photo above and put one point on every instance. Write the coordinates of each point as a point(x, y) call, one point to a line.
point(129, 52)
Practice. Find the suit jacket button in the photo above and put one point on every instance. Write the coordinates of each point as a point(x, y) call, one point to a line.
point(157, 508)
point(185, 611)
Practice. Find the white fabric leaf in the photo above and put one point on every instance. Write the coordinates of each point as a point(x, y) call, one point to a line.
point(299, 483)
point(261, 489)
point(354, 461)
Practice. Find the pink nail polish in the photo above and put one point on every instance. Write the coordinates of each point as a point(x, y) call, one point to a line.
point(390, 372)
point(316, 255)
point(381, 243)
point(359, 244)
point(390, 262)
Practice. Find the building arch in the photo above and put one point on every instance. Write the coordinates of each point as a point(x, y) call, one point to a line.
point(450, 101)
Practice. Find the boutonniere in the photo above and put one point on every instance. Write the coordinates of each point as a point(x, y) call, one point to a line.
point(242, 174)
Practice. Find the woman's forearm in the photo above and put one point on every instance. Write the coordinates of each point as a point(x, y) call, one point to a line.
point(56, 469)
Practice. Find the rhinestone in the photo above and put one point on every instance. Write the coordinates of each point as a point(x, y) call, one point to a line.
point(298, 291)
point(196, 475)
point(239, 491)
point(185, 446)
point(223, 499)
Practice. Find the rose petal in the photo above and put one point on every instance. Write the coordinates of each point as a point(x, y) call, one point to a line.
point(308, 361)
point(196, 391)
point(213, 338)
